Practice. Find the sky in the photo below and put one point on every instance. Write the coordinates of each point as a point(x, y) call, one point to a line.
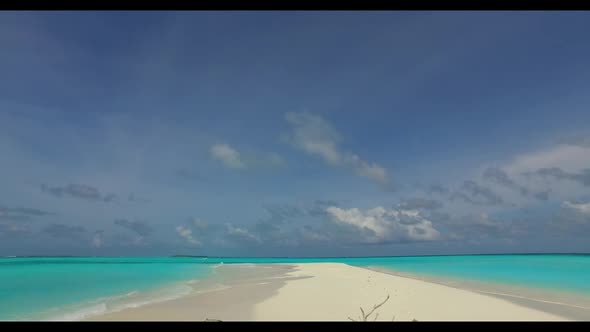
point(294, 133)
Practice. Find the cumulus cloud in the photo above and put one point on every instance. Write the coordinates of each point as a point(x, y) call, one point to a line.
point(380, 225)
point(582, 177)
point(64, 231)
point(567, 157)
point(480, 226)
point(416, 219)
point(573, 220)
point(560, 170)
point(369, 170)
point(229, 156)
point(241, 234)
point(500, 177)
point(318, 208)
point(284, 226)
point(583, 208)
point(315, 136)
point(199, 232)
point(472, 192)
point(139, 227)
point(187, 234)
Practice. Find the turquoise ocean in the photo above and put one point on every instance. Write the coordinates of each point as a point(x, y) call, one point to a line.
point(71, 288)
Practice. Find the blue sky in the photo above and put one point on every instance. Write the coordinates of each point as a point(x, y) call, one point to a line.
point(294, 133)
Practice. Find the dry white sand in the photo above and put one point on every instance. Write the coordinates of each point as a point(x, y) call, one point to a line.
point(331, 292)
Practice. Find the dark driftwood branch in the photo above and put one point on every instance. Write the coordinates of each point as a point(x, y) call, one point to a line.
point(375, 307)
point(364, 316)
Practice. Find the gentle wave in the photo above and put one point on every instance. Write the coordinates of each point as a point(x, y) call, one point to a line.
point(95, 310)
point(112, 304)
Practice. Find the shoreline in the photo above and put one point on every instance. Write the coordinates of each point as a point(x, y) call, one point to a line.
point(568, 304)
point(328, 292)
point(229, 289)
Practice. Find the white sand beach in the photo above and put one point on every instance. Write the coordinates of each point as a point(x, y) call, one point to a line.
point(327, 292)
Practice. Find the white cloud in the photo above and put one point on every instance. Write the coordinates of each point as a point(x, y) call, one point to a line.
point(241, 233)
point(315, 136)
point(567, 157)
point(97, 240)
point(187, 234)
point(139, 240)
point(232, 158)
point(386, 224)
point(227, 155)
point(583, 208)
point(371, 171)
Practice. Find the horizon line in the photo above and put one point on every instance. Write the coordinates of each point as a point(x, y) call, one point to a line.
point(291, 257)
